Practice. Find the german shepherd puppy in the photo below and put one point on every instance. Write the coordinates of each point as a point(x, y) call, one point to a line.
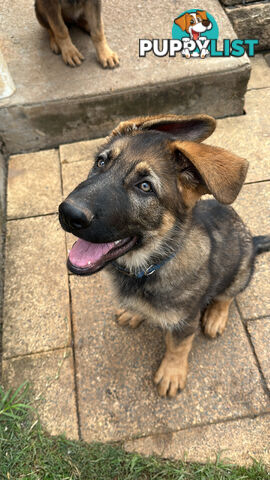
point(171, 257)
point(55, 14)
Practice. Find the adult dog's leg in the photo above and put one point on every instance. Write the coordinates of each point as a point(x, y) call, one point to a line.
point(172, 373)
point(215, 317)
point(92, 22)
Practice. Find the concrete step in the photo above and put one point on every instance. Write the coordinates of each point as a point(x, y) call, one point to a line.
point(56, 104)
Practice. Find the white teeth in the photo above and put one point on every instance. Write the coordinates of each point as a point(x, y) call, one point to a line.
point(117, 241)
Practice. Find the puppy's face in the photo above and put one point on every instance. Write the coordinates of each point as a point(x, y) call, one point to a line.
point(142, 188)
point(129, 202)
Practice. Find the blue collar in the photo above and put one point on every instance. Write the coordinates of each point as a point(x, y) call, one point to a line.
point(142, 273)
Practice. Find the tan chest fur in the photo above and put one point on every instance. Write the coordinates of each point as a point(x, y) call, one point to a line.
point(149, 313)
point(72, 10)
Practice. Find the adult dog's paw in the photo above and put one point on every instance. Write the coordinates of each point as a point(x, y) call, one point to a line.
point(126, 318)
point(171, 377)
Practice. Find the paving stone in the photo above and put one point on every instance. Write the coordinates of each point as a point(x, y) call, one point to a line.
point(249, 135)
point(73, 173)
point(253, 205)
point(55, 104)
point(79, 151)
point(34, 186)
point(260, 72)
point(260, 336)
point(238, 442)
point(115, 366)
point(51, 378)
point(36, 301)
point(252, 21)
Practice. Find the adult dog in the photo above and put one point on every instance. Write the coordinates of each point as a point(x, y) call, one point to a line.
point(172, 258)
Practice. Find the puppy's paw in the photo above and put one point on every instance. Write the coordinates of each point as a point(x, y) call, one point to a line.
point(107, 57)
point(125, 318)
point(71, 55)
point(214, 322)
point(171, 377)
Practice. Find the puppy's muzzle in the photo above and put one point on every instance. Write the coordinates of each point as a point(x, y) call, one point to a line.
point(73, 217)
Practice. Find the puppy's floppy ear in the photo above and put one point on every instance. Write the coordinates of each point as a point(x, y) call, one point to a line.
point(219, 172)
point(195, 128)
point(182, 21)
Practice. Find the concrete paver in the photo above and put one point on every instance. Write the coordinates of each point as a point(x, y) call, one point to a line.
point(34, 186)
point(239, 442)
point(75, 172)
point(116, 395)
point(249, 135)
point(79, 151)
point(253, 205)
point(260, 72)
point(259, 331)
point(51, 379)
point(36, 302)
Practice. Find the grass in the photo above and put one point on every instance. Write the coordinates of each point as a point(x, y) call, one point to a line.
point(28, 453)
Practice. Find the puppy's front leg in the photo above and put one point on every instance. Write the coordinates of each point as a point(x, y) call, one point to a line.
point(172, 373)
point(60, 38)
point(94, 24)
point(124, 317)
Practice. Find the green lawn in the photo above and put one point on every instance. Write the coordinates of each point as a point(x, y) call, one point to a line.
point(28, 453)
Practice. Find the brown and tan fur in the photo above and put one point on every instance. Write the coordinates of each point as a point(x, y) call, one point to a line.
point(55, 15)
point(213, 251)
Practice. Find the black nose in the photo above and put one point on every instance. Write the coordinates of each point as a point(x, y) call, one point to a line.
point(73, 216)
point(206, 23)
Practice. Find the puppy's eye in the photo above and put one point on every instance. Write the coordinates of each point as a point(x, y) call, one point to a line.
point(199, 19)
point(101, 161)
point(192, 22)
point(145, 187)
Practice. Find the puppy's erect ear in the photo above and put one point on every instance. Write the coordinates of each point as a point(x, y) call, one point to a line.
point(219, 172)
point(195, 128)
point(182, 21)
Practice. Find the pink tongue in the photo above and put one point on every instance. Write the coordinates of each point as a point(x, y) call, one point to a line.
point(84, 252)
point(195, 35)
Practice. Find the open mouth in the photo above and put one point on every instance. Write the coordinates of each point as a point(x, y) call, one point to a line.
point(195, 34)
point(86, 258)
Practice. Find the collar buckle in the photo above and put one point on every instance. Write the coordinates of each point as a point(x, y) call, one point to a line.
point(149, 271)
